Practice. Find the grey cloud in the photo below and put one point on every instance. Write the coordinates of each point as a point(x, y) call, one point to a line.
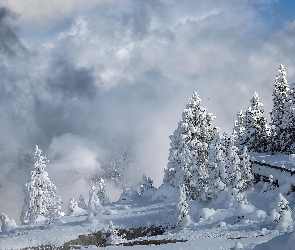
point(71, 81)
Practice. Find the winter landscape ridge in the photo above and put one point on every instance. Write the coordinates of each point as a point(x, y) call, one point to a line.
point(219, 191)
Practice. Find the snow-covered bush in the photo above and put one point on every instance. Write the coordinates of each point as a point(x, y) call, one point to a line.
point(128, 194)
point(101, 193)
point(8, 225)
point(282, 214)
point(42, 202)
point(166, 193)
point(268, 186)
point(113, 238)
point(94, 206)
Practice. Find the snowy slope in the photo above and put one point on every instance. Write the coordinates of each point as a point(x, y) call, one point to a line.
point(215, 228)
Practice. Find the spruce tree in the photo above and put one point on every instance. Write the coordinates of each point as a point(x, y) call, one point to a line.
point(280, 91)
point(101, 193)
point(42, 201)
point(255, 129)
point(188, 154)
point(246, 172)
point(238, 131)
point(288, 133)
point(146, 183)
point(94, 206)
point(216, 167)
point(232, 161)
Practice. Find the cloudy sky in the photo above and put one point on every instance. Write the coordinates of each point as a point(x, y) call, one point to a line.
point(102, 83)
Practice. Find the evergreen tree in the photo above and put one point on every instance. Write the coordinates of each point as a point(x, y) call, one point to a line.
point(114, 238)
point(232, 161)
point(267, 186)
point(288, 133)
point(238, 131)
point(94, 206)
point(146, 183)
point(277, 114)
point(72, 206)
point(245, 170)
point(255, 129)
point(42, 201)
point(101, 193)
point(81, 203)
point(216, 166)
point(189, 145)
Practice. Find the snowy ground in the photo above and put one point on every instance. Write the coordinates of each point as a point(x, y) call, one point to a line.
point(274, 160)
point(217, 229)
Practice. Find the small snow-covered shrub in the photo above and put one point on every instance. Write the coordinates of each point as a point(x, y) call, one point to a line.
point(128, 194)
point(8, 225)
point(256, 215)
point(146, 183)
point(207, 213)
point(114, 238)
point(165, 193)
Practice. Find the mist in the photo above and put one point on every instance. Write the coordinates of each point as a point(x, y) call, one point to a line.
point(100, 86)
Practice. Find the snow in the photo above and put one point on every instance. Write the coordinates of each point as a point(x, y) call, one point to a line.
point(216, 227)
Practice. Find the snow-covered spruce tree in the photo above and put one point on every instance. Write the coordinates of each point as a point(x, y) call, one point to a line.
point(280, 91)
point(268, 186)
point(238, 130)
point(216, 167)
point(188, 154)
point(288, 133)
point(81, 202)
point(232, 162)
point(72, 206)
point(146, 183)
point(282, 213)
point(101, 193)
point(245, 170)
point(256, 131)
point(42, 201)
point(94, 206)
point(114, 238)
point(181, 207)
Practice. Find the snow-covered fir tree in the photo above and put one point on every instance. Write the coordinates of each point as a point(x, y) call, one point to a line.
point(245, 170)
point(282, 213)
point(288, 124)
point(42, 201)
point(146, 183)
point(81, 202)
point(114, 238)
point(268, 185)
point(280, 92)
point(181, 207)
point(94, 206)
point(188, 154)
point(256, 132)
point(72, 206)
point(232, 162)
point(101, 193)
point(238, 130)
point(216, 167)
